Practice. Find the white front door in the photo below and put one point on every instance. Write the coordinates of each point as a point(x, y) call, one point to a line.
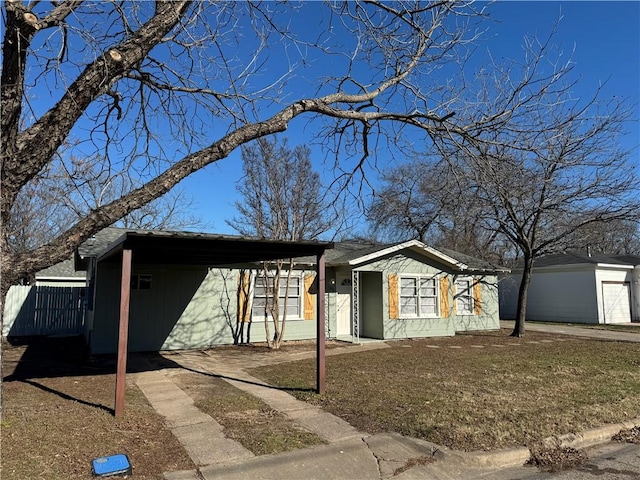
point(343, 317)
point(616, 300)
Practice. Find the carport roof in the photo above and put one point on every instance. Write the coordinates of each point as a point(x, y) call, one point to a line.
point(186, 248)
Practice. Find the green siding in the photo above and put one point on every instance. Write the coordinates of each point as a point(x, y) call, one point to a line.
point(410, 263)
point(185, 308)
point(490, 318)
point(195, 307)
point(418, 327)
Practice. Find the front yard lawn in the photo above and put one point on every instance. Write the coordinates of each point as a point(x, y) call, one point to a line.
point(483, 391)
point(57, 417)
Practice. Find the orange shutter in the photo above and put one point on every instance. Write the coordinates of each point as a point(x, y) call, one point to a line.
point(244, 312)
point(393, 296)
point(477, 300)
point(444, 297)
point(309, 298)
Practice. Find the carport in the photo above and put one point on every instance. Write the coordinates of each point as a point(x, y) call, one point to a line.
point(183, 248)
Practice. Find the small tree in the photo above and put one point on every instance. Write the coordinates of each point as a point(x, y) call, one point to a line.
point(281, 200)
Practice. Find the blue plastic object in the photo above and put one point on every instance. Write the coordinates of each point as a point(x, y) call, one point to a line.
point(111, 466)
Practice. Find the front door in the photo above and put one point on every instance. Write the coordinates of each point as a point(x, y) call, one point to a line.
point(343, 291)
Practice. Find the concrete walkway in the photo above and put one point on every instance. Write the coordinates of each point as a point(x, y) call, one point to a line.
point(569, 329)
point(348, 453)
point(200, 435)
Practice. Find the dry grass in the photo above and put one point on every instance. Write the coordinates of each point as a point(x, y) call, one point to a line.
point(57, 417)
point(244, 417)
point(511, 392)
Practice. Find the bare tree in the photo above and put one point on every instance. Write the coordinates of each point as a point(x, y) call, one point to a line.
point(282, 199)
point(616, 237)
point(554, 169)
point(66, 192)
point(425, 199)
point(164, 89)
point(414, 201)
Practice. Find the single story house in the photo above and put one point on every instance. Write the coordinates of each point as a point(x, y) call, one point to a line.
point(404, 290)
point(578, 288)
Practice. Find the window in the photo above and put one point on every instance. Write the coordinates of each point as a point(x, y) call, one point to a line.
point(418, 297)
point(141, 281)
point(260, 294)
point(464, 296)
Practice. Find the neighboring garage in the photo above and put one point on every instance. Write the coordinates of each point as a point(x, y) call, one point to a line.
point(577, 288)
point(616, 302)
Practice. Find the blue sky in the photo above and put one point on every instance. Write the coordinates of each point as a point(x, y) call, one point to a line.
point(604, 37)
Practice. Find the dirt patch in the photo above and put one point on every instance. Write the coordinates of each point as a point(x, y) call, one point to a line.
point(412, 462)
point(58, 416)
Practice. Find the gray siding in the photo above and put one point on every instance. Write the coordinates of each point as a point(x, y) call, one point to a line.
point(554, 296)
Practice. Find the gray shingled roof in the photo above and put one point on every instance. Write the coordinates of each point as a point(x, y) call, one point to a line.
point(472, 262)
point(100, 241)
point(578, 258)
point(341, 254)
point(347, 251)
point(63, 269)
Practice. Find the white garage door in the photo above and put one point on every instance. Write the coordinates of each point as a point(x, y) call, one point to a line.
point(617, 302)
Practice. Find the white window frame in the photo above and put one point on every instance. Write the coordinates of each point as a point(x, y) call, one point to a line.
point(258, 315)
point(419, 296)
point(459, 296)
point(141, 281)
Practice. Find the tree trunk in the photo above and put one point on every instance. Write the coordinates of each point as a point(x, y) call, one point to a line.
point(518, 330)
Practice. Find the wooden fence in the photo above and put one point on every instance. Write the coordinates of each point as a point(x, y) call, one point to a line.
point(31, 310)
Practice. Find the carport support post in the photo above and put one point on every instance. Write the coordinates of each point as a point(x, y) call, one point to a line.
point(320, 340)
point(123, 332)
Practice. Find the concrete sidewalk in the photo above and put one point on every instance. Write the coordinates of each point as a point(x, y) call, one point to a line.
point(574, 331)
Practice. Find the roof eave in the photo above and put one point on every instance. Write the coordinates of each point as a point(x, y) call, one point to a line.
point(416, 246)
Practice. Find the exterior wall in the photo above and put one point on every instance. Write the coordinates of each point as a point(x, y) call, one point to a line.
point(196, 307)
point(612, 275)
point(410, 263)
point(489, 315)
point(185, 308)
point(557, 295)
point(330, 305)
